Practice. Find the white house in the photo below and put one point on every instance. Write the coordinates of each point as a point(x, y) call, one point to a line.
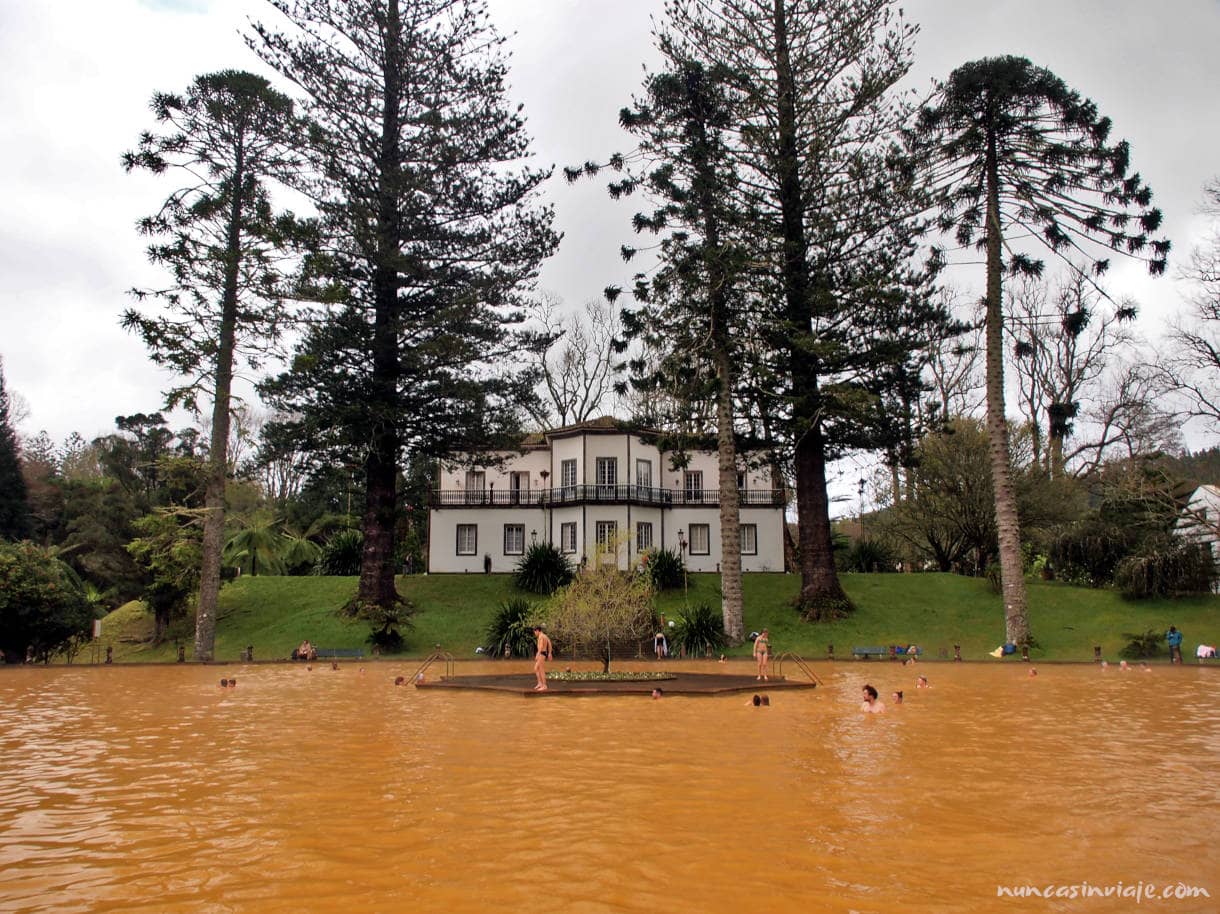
point(1200, 521)
point(586, 485)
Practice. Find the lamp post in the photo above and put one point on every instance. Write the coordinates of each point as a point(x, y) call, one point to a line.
point(682, 548)
point(861, 508)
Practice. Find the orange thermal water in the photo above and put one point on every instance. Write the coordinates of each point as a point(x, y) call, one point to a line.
point(151, 789)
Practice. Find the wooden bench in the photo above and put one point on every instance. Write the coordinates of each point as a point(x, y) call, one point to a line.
point(340, 653)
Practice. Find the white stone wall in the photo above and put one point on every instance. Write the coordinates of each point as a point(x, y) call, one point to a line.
point(489, 522)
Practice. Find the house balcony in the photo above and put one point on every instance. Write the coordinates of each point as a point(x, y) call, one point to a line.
point(599, 494)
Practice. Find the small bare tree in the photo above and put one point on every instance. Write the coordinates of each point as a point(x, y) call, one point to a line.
point(577, 367)
point(1063, 343)
point(1192, 366)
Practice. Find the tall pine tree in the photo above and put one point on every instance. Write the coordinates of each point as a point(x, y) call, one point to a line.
point(217, 235)
point(14, 505)
point(429, 237)
point(834, 220)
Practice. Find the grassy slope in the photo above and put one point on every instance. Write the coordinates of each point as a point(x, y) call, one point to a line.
point(934, 610)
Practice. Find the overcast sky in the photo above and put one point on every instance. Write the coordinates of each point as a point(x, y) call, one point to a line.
point(76, 77)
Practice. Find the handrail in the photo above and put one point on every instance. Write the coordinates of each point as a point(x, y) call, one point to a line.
point(436, 655)
point(597, 493)
point(801, 664)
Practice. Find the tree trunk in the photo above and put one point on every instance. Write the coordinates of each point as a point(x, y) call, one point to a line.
point(381, 462)
point(1016, 613)
point(214, 495)
point(821, 594)
point(730, 509)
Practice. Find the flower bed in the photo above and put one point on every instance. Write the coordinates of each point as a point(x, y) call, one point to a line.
point(613, 676)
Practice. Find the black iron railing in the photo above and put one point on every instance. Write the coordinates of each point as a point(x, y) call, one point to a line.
point(600, 494)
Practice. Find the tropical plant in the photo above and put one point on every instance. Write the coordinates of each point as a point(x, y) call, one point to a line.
point(543, 569)
point(698, 632)
point(510, 632)
point(342, 553)
point(1008, 149)
point(664, 569)
point(869, 556)
point(259, 546)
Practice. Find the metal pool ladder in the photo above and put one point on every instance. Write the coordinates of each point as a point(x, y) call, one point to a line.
point(801, 664)
point(432, 658)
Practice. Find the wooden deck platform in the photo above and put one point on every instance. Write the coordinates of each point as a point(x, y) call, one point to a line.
point(679, 683)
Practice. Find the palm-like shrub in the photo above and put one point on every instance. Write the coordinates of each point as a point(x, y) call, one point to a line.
point(699, 631)
point(664, 568)
point(510, 632)
point(543, 570)
point(342, 554)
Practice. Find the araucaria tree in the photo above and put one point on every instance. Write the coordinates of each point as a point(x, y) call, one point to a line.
point(428, 238)
point(692, 312)
point(1011, 152)
point(217, 235)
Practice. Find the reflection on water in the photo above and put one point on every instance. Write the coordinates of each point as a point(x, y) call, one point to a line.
point(152, 789)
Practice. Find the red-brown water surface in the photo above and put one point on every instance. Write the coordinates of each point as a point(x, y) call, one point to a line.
point(151, 789)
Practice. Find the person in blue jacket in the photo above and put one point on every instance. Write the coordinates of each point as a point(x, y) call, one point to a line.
point(1174, 637)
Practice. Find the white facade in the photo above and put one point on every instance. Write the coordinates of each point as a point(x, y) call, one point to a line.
point(579, 486)
point(1201, 520)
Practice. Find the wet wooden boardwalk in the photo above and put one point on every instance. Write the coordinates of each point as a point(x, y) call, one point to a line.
point(678, 683)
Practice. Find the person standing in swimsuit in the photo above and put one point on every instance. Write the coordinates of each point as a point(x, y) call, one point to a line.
point(541, 657)
point(762, 653)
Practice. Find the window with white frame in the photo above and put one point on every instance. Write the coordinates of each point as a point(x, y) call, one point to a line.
point(514, 539)
point(607, 532)
point(643, 536)
point(607, 474)
point(567, 473)
point(700, 539)
point(693, 485)
point(749, 539)
point(476, 481)
point(643, 474)
point(567, 537)
point(467, 539)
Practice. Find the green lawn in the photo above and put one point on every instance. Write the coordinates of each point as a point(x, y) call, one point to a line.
point(933, 610)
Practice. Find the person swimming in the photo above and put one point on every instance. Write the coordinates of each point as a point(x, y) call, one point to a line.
point(922, 683)
point(871, 705)
point(897, 697)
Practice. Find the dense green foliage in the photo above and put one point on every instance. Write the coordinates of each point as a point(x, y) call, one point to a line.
point(665, 569)
point(42, 603)
point(14, 508)
point(510, 632)
point(543, 569)
point(1166, 567)
point(341, 555)
point(603, 607)
point(698, 632)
